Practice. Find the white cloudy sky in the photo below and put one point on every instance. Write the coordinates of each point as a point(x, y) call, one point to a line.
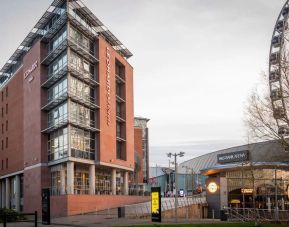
point(195, 62)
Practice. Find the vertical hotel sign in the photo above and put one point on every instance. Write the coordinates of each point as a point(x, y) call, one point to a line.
point(108, 88)
point(156, 204)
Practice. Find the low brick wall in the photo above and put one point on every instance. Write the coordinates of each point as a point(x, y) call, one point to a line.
point(194, 211)
point(77, 204)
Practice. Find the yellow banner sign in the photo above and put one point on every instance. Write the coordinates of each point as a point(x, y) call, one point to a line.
point(155, 203)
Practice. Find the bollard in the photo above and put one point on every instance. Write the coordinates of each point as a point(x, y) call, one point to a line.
point(35, 218)
point(213, 214)
point(4, 220)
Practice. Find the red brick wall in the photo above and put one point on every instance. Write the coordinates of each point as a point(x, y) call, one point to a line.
point(77, 204)
point(14, 152)
point(107, 152)
point(35, 143)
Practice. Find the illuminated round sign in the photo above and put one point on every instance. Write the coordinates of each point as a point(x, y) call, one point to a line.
point(212, 187)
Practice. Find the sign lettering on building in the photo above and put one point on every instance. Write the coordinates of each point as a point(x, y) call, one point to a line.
point(237, 156)
point(30, 71)
point(108, 88)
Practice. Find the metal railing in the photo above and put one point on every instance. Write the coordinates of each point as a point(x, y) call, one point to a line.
point(8, 217)
point(259, 215)
point(144, 209)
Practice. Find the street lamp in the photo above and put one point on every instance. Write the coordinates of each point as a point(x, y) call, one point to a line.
point(180, 154)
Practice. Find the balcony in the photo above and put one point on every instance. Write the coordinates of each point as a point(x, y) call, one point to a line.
point(83, 123)
point(81, 24)
point(56, 26)
point(56, 100)
point(83, 51)
point(56, 123)
point(82, 75)
point(55, 52)
point(83, 99)
point(55, 77)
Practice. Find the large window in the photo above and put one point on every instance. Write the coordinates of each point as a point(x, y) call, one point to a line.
point(120, 150)
point(102, 183)
point(57, 90)
point(81, 182)
point(57, 64)
point(81, 115)
point(58, 144)
point(80, 39)
point(82, 144)
point(81, 65)
point(58, 39)
point(58, 116)
point(55, 183)
point(81, 90)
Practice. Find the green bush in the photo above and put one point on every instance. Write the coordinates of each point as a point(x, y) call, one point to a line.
point(11, 215)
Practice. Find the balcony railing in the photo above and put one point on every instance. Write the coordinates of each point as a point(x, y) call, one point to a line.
point(82, 74)
point(55, 52)
point(78, 47)
point(82, 154)
point(54, 77)
point(82, 98)
point(56, 99)
point(56, 26)
point(81, 24)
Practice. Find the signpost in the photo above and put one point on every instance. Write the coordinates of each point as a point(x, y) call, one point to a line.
point(46, 206)
point(156, 204)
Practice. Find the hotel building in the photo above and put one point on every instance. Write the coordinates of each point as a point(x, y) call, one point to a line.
point(67, 118)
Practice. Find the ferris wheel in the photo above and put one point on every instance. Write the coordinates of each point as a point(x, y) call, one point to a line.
point(279, 71)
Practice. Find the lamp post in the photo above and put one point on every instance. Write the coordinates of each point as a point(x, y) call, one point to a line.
point(169, 188)
point(180, 154)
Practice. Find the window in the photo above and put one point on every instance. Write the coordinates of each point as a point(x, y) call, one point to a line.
point(82, 144)
point(58, 39)
point(55, 183)
point(57, 90)
point(58, 116)
point(6, 92)
point(6, 142)
point(118, 109)
point(2, 96)
point(118, 129)
point(120, 150)
point(6, 163)
point(6, 108)
point(81, 65)
point(81, 115)
point(57, 64)
point(81, 90)
point(2, 128)
point(57, 144)
point(80, 39)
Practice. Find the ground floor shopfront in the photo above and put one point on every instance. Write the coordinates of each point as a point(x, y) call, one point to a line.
point(79, 187)
point(255, 185)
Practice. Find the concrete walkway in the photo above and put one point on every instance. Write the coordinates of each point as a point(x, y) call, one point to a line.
point(92, 220)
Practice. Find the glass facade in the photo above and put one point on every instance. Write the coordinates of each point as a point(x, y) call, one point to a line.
point(258, 187)
point(102, 182)
point(58, 144)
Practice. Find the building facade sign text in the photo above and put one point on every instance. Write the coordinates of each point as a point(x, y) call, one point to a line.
point(238, 156)
point(108, 88)
point(30, 70)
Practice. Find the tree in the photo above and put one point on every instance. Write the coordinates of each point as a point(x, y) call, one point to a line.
point(266, 114)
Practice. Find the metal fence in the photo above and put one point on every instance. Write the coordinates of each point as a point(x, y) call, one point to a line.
point(144, 209)
point(259, 215)
point(7, 218)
